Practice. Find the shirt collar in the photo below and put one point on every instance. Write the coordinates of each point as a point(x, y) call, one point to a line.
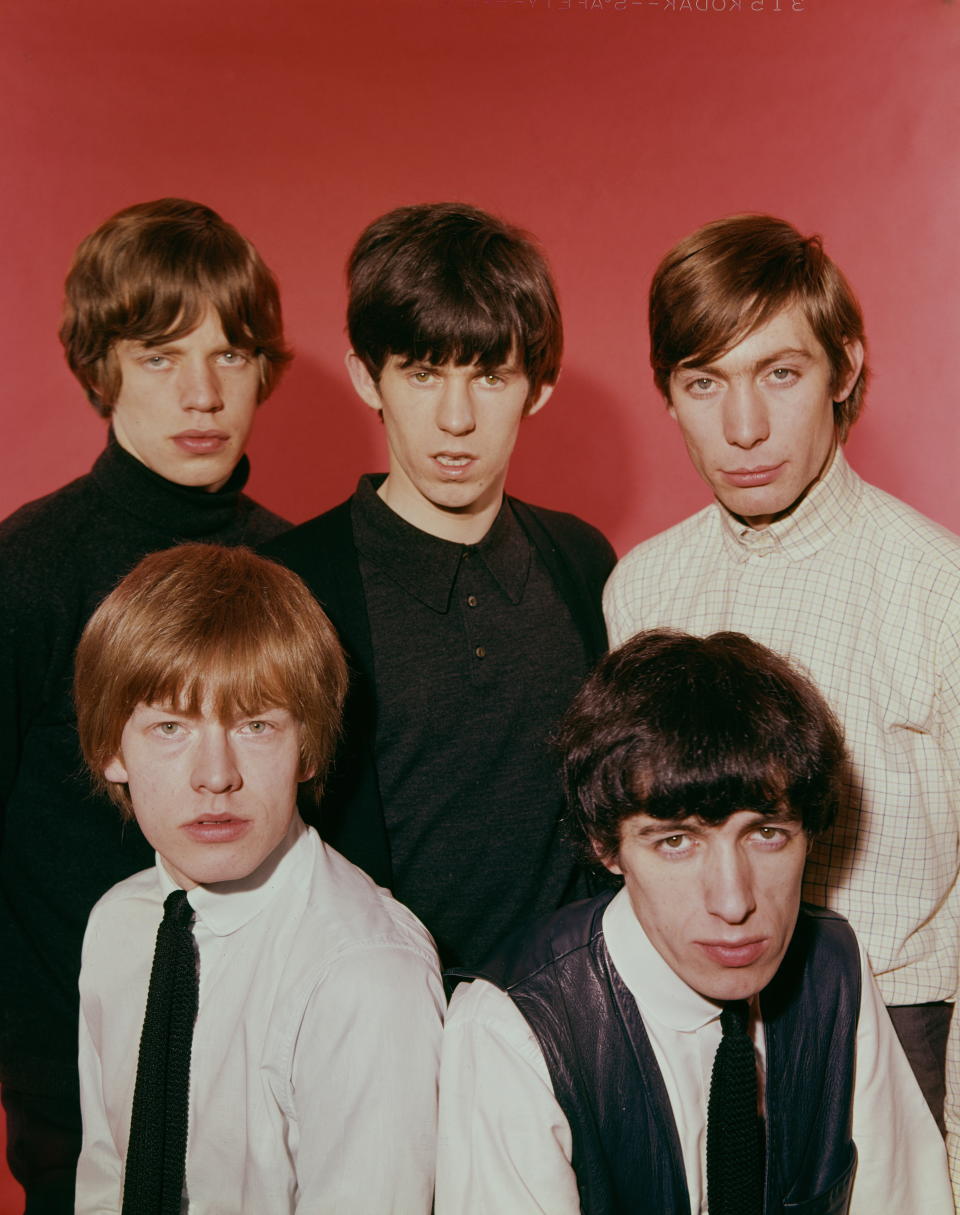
point(184, 511)
point(659, 991)
point(228, 906)
point(426, 566)
point(824, 513)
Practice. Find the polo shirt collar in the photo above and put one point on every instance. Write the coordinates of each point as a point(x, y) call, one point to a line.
point(426, 566)
point(659, 991)
point(228, 906)
point(823, 514)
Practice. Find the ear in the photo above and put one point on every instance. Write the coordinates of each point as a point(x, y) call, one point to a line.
point(307, 774)
point(538, 402)
point(608, 860)
point(363, 382)
point(115, 772)
point(855, 361)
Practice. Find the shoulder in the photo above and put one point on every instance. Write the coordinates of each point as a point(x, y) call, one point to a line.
point(127, 914)
point(259, 524)
point(355, 917)
point(307, 548)
point(577, 541)
point(47, 522)
point(698, 531)
point(901, 528)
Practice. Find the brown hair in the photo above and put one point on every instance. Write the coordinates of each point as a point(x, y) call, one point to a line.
point(677, 726)
point(199, 623)
point(732, 276)
point(444, 282)
point(148, 274)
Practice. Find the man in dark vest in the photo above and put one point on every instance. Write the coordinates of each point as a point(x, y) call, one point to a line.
point(697, 1041)
point(469, 618)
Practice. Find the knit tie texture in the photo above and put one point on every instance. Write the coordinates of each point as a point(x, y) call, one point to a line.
point(734, 1157)
point(157, 1152)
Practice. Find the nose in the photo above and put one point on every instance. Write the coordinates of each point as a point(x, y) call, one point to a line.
point(455, 409)
point(728, 885)
point(200, 388)
point(746, 421)
point(215, 768)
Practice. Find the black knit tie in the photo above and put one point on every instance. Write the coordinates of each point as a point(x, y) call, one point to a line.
point(734, 1159)
point(157, 1154)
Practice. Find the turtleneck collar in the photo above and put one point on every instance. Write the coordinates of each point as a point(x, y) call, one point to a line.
point(180, 510)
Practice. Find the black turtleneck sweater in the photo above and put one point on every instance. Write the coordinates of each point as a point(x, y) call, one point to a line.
point(62, 846)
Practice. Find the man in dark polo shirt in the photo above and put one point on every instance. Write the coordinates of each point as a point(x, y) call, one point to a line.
point(469, 618)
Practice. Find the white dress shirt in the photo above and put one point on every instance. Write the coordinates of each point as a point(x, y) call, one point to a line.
point(864, 593)
point(505, 1145)
point(315, 1050)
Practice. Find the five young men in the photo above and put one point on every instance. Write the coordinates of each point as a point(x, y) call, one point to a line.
point(469, 620)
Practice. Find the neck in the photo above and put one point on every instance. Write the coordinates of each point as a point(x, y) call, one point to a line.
point(466, 526)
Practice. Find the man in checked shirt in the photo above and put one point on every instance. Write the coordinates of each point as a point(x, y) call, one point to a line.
point(757, 345)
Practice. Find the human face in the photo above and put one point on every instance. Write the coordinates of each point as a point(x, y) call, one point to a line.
point(718, 902)
point(758, 422)
point(186, 407)
point(450, 433)
point(213, 798)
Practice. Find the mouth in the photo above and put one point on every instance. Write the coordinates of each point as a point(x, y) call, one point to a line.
point(748, 478)
point(201, 442)
point(735, 954)
point(453, 464)
point(216, 828)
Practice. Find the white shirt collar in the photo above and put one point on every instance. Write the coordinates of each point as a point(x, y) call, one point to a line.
point(825, 512)
point(227, 906)
point(659, 991)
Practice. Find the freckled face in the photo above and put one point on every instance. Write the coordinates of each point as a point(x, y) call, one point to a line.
point(213, 798)
point(186, 407)
point(758, 422)
point(718, 902)
point(450, 433)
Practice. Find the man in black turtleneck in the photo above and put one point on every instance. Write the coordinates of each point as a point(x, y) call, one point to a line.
point(172, 325)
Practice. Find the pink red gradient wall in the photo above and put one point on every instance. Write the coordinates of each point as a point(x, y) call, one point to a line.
point(608, 127)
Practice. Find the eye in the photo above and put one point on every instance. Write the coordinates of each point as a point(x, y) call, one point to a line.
point(156, 361)
point(258, 727)
point(168, 729)
point(491, 379)
point(675, 845)
point(422, 376)
point(784, 375)
point(772, 837)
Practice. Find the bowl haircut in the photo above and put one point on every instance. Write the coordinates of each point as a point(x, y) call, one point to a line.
point(734, 275)
point(447, 283)
point(148, 274)
point(204, 626)
point(675, 726)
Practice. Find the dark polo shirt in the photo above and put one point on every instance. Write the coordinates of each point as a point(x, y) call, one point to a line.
point(476, 656)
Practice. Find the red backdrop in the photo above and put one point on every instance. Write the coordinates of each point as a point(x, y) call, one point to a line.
point(608, 127)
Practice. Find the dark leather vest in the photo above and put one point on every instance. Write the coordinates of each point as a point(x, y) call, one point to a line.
point(626, 1151)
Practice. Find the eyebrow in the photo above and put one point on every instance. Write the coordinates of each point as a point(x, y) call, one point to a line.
point(779, 356)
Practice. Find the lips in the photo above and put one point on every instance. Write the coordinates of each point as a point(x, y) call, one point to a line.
point(201, 442)
point(748, 478)
point(453, 464)
point(735, 954)
point(216, 828)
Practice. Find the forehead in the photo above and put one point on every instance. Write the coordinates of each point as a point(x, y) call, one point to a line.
point(786, 333)
point(400, 362)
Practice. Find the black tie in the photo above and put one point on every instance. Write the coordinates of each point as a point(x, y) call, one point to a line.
point(734, 1160)
point(157, 1153)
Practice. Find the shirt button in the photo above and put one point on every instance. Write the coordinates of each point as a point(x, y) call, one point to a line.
point(472, 600)
point(480, 652)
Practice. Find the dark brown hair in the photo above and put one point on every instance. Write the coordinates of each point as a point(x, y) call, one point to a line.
point(676, 726)
point(444, 282)
point(732, 276)
point(148, 274)
point(203, 624)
